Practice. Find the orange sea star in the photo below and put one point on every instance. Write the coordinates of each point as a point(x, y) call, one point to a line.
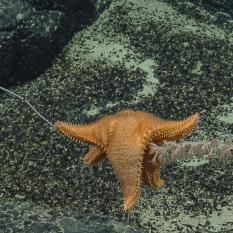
point(124, 139)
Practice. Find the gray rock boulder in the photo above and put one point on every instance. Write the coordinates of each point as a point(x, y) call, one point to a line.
point(25, 217)
point(33, 32)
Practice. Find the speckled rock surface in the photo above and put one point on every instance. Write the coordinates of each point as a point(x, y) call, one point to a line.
point(147, 55)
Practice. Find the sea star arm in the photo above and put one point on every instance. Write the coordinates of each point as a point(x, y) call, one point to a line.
point(94, 134)
point(151, 172)
point(127, 166)
point(164, 131)
point(94, 155)
point(174, 130)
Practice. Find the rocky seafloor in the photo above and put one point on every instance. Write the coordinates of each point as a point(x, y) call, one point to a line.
point(170, 58)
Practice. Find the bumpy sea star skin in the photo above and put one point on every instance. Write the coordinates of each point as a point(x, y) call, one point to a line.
point(124, 139)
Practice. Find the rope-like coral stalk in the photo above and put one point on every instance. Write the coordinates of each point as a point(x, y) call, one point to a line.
point(30, 105)
point(170, 152)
